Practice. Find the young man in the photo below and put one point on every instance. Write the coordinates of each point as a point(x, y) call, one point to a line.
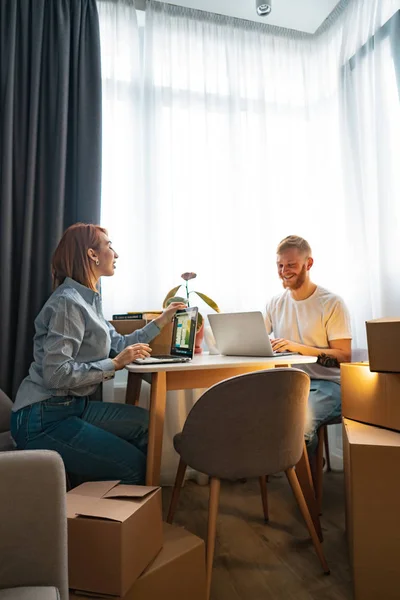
point(310, 320)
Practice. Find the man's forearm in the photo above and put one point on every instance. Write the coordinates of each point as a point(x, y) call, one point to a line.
point(339, 355)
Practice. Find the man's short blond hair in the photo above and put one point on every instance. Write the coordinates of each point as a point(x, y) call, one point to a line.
point(294, 241)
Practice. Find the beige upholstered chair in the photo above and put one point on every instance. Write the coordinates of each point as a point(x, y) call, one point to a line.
point(247, 426)
point(33, 526)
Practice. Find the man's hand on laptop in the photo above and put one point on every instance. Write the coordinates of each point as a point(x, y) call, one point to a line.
point(129, 354)
point(169, 313)
point(282, 345)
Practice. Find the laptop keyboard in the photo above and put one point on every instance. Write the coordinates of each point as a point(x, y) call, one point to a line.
point(161, 358)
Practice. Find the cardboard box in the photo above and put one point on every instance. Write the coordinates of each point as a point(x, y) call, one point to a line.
point(160, 345)
point(383, 336)
point(125, 326)
point(372, 398)
point(177, 573)
point(372, 476)
point(114, 532)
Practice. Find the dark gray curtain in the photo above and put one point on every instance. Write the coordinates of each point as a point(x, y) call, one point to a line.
point(50, 155)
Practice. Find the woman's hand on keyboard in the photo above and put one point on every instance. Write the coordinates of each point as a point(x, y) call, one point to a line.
point(131, 353)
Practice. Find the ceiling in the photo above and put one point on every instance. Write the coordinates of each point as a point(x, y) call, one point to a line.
point(301, 15)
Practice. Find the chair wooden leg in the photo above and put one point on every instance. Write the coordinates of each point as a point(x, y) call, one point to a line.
point(264, 496)
point(303, 473)
point(215, 487)
point(298, 494)
point(180, 474)
point(327, 455)
point(320, 467)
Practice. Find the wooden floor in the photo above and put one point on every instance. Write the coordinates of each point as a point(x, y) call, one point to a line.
point(259, 561)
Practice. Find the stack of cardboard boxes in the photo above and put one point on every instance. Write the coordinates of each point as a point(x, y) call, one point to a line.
point(119, 548)
point(371, 447)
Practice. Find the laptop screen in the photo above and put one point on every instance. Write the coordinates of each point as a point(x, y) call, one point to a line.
point(184, 332)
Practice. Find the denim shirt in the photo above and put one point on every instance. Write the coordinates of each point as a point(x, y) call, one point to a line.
point(72, 345)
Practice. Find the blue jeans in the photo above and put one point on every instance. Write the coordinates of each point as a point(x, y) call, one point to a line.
point(96, 440)
point(324, 404)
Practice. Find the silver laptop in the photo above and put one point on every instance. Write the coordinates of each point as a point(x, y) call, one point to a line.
point(242, 334)
point(183, 338)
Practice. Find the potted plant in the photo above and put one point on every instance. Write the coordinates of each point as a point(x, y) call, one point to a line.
point(171, 297)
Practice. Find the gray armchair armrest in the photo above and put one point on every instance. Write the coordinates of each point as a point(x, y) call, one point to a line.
point(33, 523)
point(5, 412)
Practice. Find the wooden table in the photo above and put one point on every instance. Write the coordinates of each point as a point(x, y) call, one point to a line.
point(202, 372)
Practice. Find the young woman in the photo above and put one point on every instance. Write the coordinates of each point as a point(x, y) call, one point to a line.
point(72, 344)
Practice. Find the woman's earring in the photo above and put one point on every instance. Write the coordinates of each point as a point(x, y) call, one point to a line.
point(97, 262)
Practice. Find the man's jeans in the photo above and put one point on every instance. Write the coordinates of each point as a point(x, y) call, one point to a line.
point(96, 440)
point(324, 404)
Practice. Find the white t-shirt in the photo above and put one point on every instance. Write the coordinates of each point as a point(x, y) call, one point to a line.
point(315, 321)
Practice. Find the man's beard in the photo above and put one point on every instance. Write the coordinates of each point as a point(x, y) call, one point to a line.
point(296, 282)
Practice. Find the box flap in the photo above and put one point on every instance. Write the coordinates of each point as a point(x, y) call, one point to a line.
point(94, 489)
point(130, 491)
point(367, 435)
point(77, 503)
point(112, 510)
point(385, 320)
point(106, 500)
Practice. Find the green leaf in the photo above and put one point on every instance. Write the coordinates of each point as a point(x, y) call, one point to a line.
point(170, 294)
point(199, 320)
point(208, 301)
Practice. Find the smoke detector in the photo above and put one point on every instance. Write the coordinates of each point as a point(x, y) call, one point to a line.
point(263, 8)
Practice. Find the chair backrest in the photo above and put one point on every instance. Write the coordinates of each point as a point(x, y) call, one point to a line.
point(249, 425)
point(5, 412)
point(33, 522)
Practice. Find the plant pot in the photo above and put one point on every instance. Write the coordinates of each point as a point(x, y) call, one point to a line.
point(199, 339)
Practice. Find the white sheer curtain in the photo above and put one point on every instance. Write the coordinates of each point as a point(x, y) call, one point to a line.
point(247, 135)
point(370, 91)
point(229, 136)
point(123, 202)
point(237, 122)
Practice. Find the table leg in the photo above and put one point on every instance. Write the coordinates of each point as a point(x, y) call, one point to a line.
point(133, 388)
point(303, 473)
point(158, 396)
